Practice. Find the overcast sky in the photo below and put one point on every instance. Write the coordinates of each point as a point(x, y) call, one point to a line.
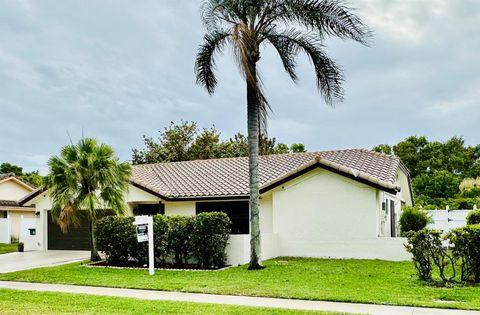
point(120, 69)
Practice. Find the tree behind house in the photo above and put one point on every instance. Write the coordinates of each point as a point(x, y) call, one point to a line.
point(185, 142)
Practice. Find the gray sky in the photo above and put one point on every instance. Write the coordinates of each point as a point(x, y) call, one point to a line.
point(120, 69)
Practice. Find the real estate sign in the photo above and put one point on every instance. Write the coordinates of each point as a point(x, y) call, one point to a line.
point(144, 225)
point(142, 233)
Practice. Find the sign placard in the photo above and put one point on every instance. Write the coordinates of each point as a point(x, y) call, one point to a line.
point(142, 233)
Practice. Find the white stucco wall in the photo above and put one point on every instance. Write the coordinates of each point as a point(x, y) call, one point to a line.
point(180, 208)
point(12, 190)
point(16, 221)
point(322, 214)
point(404, 194)
point(138, 195)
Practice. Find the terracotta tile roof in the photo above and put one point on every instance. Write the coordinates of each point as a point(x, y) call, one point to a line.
point(12, 204)
point(8, 203)
point(229, 176)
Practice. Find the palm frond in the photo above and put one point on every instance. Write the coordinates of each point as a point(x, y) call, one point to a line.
point(205, 62)
point(83, 179)
point(328, 74)
point(326, 17)
point(286, 52)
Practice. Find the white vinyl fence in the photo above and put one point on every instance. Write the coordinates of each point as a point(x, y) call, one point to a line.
point(447, 220)
point(5, 230)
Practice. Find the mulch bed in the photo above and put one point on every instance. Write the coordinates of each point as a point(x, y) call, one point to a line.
point(166, 266)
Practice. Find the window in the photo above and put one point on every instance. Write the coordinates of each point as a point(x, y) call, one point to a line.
point(3, 214)
point(149, 209)
point(237, 211)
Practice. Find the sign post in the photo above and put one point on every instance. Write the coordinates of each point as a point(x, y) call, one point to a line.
point(144, 225)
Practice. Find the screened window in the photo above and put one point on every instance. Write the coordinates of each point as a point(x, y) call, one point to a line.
point(149, 209)
point(237, 211)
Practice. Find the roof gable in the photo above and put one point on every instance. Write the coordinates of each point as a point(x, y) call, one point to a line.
point(16, 179)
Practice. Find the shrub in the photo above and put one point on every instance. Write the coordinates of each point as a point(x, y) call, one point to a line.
point(210, 238)
point(473, 217)
point(116, 236)
point(200, 239)
point(428, 250)
point(160, 237)
point(440, 256)
point(179, 232)
point(466, 242)
point(419, 244)
point(20, 247)
point(412, 220)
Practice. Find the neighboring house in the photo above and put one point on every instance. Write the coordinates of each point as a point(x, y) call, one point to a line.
point(343, 203)
point(13, 188)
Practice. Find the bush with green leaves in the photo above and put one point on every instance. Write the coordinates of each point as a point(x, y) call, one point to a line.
point(428, 251)
point(466, 248)
point(419, 244)
point(160, 238)
point(210, 238)
point(179, 233)
point(116, 237)
point(200, 240)
point(473, 217)
point(412, 219)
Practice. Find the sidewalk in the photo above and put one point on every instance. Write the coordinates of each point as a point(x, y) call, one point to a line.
point(235, 300)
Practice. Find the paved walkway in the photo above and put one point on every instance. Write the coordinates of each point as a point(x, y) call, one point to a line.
point(235, 300)
point(28, 260)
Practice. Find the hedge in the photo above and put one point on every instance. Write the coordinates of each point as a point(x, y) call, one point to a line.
point(181, 240)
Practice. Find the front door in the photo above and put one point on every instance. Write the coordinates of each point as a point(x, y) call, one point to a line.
point(393, 223)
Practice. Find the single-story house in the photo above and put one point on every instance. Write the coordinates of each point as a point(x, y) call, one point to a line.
point(343, 203)
point(12, 214)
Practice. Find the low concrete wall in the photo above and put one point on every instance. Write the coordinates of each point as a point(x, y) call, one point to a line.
point(383, 248)
point(238, 249)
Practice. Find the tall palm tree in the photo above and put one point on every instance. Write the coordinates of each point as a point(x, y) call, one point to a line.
point(291, 27)
point(85, 179)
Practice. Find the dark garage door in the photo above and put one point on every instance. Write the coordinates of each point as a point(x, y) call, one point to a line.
point(77, 238)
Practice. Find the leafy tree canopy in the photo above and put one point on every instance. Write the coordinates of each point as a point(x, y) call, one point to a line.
point(185, 141)
point(437, 168)
point(33, 178)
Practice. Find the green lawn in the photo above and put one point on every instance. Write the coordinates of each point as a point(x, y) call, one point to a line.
point(367, 281)
point(26, 302)
point(8, 248)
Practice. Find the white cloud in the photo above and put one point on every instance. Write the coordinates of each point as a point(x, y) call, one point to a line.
point(119, 69)
point(461, 104)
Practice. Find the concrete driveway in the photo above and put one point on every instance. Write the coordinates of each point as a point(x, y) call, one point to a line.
point(28, 260)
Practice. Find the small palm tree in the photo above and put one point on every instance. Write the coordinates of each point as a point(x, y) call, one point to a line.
point(86, 179)
point(291, 27)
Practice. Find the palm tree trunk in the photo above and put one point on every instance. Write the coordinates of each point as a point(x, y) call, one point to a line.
point(253, 135)
point(94, 256)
